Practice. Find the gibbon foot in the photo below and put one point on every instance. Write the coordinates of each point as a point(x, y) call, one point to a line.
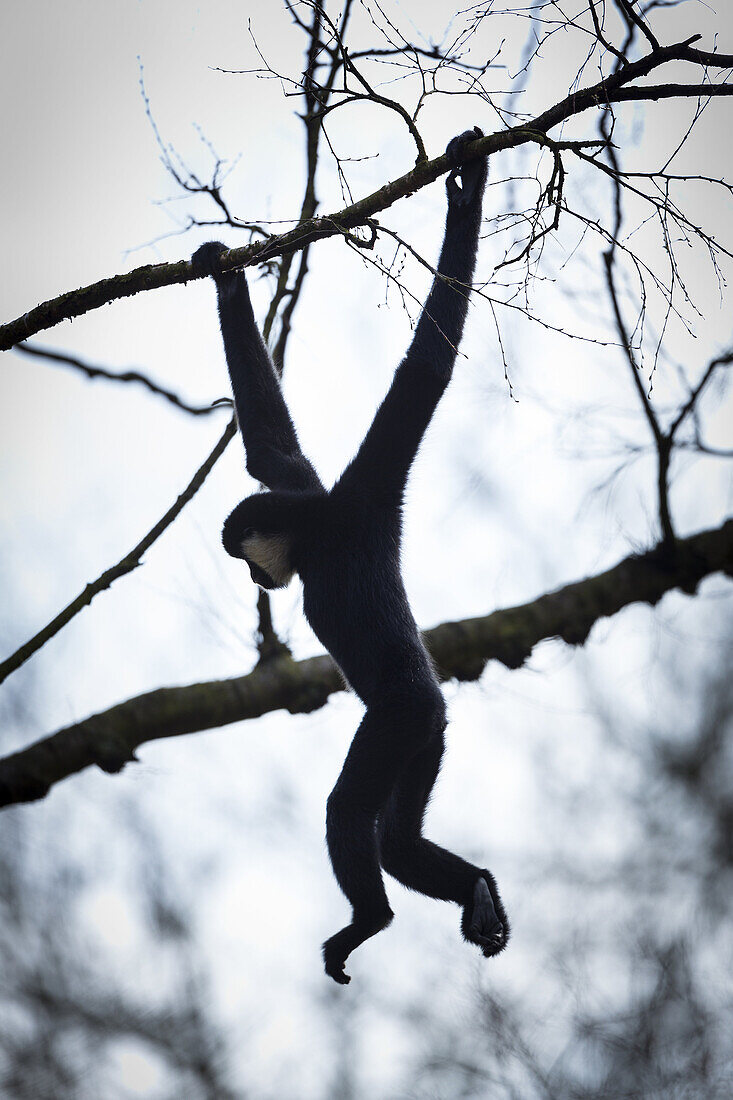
point(337, 950)
point(335, 954)
point(484, 920)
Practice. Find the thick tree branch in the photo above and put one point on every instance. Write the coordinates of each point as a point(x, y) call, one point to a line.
point(460, 651)
point(612, 89)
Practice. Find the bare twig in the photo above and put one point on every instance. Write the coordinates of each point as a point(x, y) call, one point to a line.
point(123, 376)
point(723, 360)
point(662, 442)
point(125, 565)
point(627, 9)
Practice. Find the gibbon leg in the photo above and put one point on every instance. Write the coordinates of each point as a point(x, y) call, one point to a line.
point(429, 869)
point(379, 751)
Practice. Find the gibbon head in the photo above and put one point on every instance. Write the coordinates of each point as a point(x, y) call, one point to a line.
point(259, 532)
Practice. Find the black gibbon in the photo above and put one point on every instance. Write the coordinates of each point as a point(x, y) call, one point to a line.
point(344, 544)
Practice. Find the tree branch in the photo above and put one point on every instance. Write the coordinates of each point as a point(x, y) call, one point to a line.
point(124, 376)
point(459, 649)
point(671, 91)
point(611, 89)
point(724, 360)
point(631, 16)
point(126, 565)
point(269, 645)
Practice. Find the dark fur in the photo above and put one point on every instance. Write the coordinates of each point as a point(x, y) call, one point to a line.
point(345, 545)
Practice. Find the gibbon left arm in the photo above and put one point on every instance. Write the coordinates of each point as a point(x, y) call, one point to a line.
point(384, 459)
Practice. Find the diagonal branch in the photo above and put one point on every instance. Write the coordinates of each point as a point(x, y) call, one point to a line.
point(605, 42)
point(112, 376)
point(632, 17)
point(611, 89)
point(724, 360)
point(459, 649)
point(126, 565)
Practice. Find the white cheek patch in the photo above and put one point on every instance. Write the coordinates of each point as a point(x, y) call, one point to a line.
point(271, 553)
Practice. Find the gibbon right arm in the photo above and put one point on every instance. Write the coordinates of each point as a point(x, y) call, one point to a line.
point(274, 457)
